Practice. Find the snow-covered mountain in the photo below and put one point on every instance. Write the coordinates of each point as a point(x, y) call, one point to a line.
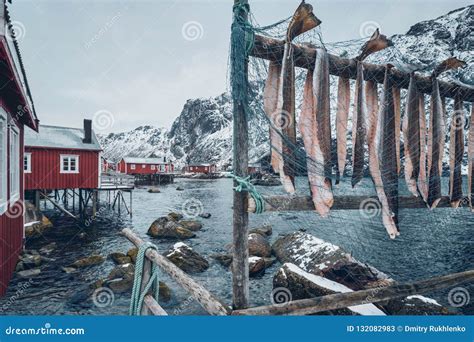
point(202, 132)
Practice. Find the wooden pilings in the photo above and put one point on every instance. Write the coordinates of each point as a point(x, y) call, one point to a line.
point(240, 264)
point(373, 295)
point(305, 203)
point(272, 49)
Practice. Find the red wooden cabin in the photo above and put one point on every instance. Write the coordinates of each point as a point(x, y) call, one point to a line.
point(62, 158)
point(144, 166)
point(201, 168)
point(16, 112)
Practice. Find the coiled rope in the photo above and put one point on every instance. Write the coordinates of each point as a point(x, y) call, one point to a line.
point(136, 302)
point(245, 185)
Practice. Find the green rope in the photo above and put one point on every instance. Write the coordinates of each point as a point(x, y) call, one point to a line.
point(136, 303)
point(245, 185)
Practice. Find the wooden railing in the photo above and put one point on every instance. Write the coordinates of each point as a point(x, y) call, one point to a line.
point(116, 180)
point(215, 306)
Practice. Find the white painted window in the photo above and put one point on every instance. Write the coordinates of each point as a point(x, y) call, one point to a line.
point(27, 162)
point(14, 163)
point(3, 162)
point(143, 166)
point(132, 167)
point(69, 163)
point(152, 167)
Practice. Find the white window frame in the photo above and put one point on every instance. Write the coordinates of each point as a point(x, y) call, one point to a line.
point(143, 166)
point(3, 162)
point(62, 157)
point(14, 163)
point(132, 166)
point(27, 158)
point(152, 167)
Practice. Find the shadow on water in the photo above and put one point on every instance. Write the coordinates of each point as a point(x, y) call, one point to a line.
point(431, 243)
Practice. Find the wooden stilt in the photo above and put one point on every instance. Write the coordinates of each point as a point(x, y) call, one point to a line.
point(94, 203)
point(240, 265)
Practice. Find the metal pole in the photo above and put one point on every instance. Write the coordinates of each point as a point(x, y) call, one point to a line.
point(240, 265)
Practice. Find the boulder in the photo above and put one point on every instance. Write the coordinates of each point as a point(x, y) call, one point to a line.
point(69, 269)
point(37, 228)
point(269, 262)
point(175, 216)
point(88, 261)
point(265, 230)
point(120, 285)
point(186, 258)
point(31, 260)
point(223, 259)
point(49, 248)
point(165, 228)
point(154, 190)
point(29, 273)
point(179, 188)
point(165, 292)
point(415, 305)
point(256, 266)
point(259, 246)
point(122, 271)
point(294, 283)
point(19, 266)
point(132, 253)
point(120, 258)
point(191, 225)
point(205, 215)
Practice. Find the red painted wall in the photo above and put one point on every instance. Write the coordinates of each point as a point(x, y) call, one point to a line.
point(11, 223)
point(201, 168)
point(45, 170)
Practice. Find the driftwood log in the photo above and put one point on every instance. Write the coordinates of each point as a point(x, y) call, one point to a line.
point(272, 49)
point(302, 203)
point(375, 295)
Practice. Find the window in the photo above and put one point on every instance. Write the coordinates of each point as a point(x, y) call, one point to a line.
point(3, 162)
point(152, 167)
point(69, 163)
point(27, 162)
point(143, 166)
point(132, 167)
point(14, 163)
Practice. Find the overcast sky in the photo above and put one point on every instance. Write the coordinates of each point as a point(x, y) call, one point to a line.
point(131, 63)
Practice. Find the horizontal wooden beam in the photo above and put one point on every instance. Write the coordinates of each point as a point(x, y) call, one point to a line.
point(303, 203)
point(206, 299)
point(272, 49)
point(374, 295)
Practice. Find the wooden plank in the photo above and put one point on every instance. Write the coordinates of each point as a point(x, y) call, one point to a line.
point(153, 306)
point(146, 275)
point(207, 300)
point(272, 49)
point(343, 300)
point(240, 264)
point(305, 203)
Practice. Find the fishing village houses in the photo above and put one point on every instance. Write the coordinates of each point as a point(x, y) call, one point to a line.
point(16, 113)
point(200, 168)
point(147, 171)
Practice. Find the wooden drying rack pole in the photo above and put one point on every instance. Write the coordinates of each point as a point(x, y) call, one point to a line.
point(305, 203)
point(272, 49)
point(374, 295)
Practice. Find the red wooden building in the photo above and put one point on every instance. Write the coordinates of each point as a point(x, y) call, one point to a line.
point(62, 158)
point(144, 166)
point(201, 168)
point(16, 112)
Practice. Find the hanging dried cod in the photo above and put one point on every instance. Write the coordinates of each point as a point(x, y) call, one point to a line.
point(456, 152)
point(372, 120)
point(358, 128)
point(470, 159)
point(385, 175)
point(435, 146)
point(398, 115)
point(283, 117)
point(376, 43)
point(315, 127)
point(412, 136)
point(342, 115)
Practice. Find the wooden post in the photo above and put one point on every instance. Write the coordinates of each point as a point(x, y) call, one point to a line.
point(37, 199)
point(131, 203)
point(81, 206)
point(94, 203)
point(145, 279)
point(240, 265)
